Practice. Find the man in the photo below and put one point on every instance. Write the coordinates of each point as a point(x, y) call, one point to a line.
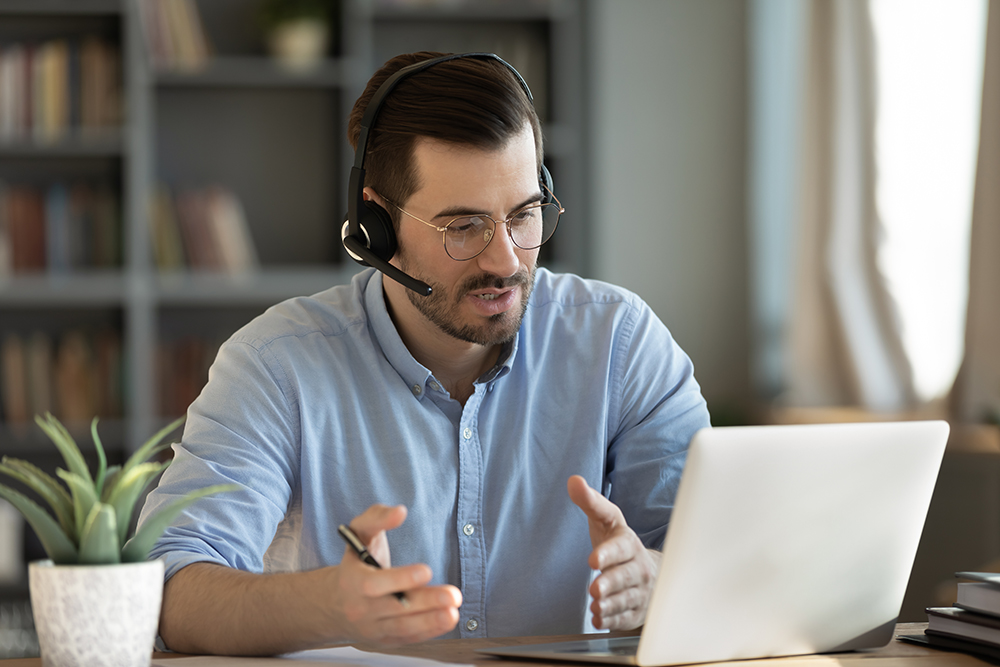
point(442, 428)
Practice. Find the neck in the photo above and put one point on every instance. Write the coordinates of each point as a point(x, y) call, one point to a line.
point(455, 363)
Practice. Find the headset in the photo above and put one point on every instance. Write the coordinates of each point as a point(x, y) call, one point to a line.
point(368, 234)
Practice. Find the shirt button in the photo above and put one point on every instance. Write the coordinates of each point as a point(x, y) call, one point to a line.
point(467, 433)
point(416, 390)
point(435, 386)
point(471, 624)
point(468, 529)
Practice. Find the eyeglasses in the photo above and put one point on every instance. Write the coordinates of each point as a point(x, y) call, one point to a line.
point(467, 236)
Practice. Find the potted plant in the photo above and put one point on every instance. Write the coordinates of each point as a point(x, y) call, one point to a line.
point(97, 600)
point(297, 31)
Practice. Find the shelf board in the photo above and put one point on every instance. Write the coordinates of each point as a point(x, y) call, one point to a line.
point(27, 441)
point(104, 144)
point(60, 7)
point(266, 286)
point(92, 288)
point(459, 10)
point(251, 72)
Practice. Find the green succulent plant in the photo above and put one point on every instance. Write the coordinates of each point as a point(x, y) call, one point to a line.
point(91, 513)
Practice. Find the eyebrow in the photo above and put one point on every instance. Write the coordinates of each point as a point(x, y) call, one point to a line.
point(460, 211)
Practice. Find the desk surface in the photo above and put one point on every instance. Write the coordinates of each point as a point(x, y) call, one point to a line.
point(895, 654)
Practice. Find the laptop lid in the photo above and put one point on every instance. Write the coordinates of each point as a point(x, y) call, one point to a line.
point(788, 540)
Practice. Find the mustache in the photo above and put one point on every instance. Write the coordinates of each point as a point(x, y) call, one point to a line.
point(487, 281)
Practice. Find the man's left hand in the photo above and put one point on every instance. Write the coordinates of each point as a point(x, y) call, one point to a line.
point(621, 592)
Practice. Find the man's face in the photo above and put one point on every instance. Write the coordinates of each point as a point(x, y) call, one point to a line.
point(481, 300)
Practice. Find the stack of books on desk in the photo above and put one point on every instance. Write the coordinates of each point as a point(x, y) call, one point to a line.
point(974, 620)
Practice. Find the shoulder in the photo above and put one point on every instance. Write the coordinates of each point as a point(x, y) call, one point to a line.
point(592, 312)
point(570, 290)
point(332, 313)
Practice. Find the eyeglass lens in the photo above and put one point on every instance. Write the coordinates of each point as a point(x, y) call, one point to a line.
point(529, 228)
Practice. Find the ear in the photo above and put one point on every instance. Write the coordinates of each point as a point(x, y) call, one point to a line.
point(370, 195)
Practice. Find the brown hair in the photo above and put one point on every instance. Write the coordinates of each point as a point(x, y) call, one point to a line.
point(468, 101)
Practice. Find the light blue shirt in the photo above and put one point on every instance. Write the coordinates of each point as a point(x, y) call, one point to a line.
point(317, 410)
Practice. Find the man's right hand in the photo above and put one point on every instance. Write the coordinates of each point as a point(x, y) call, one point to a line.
point(365, 595)
point(209, 608)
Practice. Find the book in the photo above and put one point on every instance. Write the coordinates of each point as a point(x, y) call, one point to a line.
point(75, 378)
point(981, 595)
point(986, 577)
point(231, 234)
point(957, 622)
point(57, 228)
point(25, 211)
point(6, 252)
point(195, 224)
point(14, 375)
point(175, 37)
point(40, 378)
point(945, 643)
point(168, 249)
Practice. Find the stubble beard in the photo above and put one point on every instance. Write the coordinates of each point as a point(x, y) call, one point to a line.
point(443, 309)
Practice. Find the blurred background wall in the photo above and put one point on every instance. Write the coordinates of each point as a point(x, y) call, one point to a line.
point(668, 105)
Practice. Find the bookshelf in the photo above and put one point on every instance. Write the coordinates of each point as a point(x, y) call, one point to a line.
point(276, 140)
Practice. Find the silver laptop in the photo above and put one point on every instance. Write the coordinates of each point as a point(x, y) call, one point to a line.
point(785, 540)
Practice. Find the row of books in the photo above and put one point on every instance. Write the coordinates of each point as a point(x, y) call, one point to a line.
point(202, 229)
point(75, 376)
point(972, 625)
point(54, 88)
point(175, 36)
point(79, 375)
point(59, 228)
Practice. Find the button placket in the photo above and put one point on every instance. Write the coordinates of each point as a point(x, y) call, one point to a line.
point(471, 545)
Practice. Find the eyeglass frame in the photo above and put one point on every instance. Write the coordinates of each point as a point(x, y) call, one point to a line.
point(506, 223)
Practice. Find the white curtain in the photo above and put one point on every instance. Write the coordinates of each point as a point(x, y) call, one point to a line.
point(977, 394)
point(843, 346)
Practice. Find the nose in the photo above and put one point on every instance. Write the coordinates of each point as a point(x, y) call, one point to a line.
point(500, 256)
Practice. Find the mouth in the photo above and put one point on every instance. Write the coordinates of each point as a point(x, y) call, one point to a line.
point(493, 301)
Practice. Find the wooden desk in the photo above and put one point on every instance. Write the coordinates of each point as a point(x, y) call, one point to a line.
point(895, 654)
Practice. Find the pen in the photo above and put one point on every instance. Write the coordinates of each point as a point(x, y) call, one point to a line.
point(362, 551)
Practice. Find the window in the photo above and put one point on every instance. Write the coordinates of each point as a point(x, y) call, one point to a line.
point(929, 56)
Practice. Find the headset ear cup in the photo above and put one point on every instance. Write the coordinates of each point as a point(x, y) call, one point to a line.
point(377, 222)
point(545, 180)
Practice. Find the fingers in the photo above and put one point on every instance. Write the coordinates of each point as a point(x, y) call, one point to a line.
point(428, 612)
point(368, 607)
point(415, 627)
point(621, 593)
point(625, 617)
point(619, 546)
point(632, 574)
point(375, 583)
point(620, 609)
point(365, 597)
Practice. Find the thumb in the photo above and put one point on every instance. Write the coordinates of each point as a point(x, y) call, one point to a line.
point(370, 526)
point(377, 519)
point(594, 505)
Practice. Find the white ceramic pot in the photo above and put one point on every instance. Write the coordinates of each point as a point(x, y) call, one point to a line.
point(96, 614)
